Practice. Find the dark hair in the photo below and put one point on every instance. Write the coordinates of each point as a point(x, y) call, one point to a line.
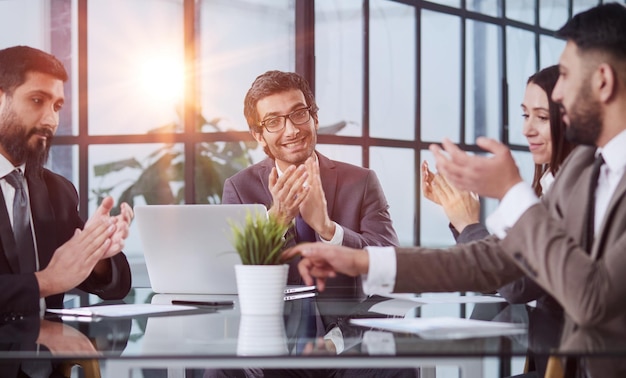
point(16, 61)
point(546, 79)
point(601, 28)
point(270, 83)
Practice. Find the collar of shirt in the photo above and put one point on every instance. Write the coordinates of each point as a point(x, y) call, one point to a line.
point(546, 181)
point(614, 154)
point(7, 167)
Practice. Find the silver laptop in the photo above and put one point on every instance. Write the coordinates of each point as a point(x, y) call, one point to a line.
point(188, 248)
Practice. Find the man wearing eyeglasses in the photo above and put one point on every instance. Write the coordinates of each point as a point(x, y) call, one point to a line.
point(339, 203)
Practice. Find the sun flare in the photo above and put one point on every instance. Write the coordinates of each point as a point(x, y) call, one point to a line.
point(162, 78)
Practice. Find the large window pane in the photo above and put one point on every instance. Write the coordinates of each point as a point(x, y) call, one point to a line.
point(521, 10)
point(550, 50)
point(215, 162)
point(63, 159)
point(17, 18)
point(47, 26)
point(392, 70)
point(520, 57)
point(347, 154)
point(440, 76)
point(339, 64)
point(395, 168)
point(583, 5)
point(552, 13)
point(483, 81)
point(139, 174)
point(136, 65)
point(238, 41)
point(488, 7)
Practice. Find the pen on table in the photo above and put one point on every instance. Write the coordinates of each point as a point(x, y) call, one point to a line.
point(80, 318)
point(202, 303)
point(292, 297)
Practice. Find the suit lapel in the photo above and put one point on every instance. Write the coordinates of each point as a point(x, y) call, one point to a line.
point(264, 174)
point(6, 234)
point(328, 175)
point(617, 197)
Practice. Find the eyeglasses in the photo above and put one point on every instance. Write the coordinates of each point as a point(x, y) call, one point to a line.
point(277, 123)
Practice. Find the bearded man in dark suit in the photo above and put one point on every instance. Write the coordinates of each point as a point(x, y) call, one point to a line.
point(62, 251)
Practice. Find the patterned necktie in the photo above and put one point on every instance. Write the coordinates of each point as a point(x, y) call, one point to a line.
point(24, 245)
point(589, 230)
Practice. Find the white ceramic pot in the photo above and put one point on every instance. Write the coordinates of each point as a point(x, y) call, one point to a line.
point(261, 288)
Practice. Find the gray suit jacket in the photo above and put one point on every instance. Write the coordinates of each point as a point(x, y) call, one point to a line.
point(545, 245)
point(355, 200)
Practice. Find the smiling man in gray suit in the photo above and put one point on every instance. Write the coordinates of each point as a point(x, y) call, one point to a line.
point(541, 239)
point(329, 201)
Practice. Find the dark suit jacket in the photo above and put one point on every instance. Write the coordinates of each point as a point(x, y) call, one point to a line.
point(355, 200)
point(54, 208)
point(544, 244)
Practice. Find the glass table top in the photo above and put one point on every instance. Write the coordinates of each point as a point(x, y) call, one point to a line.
point(328, 333)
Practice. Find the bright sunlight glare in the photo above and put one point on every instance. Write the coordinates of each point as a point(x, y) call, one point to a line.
point(162, 78)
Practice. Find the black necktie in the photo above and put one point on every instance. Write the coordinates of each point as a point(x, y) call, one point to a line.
point(24, 245)
point(589, 230)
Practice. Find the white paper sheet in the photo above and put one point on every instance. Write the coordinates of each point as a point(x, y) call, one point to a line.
point(443, 328)
point(402, 304)
point(394, 307)
point(445, 298)
point(121, 310)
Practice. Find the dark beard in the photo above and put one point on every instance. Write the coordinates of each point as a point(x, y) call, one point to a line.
point(37, 158)
point(585, 119)
point(14, 140)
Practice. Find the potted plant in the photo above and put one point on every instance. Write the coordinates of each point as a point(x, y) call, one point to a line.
point(261, 278)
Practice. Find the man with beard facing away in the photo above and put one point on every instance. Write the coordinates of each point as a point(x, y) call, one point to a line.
point(55, 250)
point(579, 260)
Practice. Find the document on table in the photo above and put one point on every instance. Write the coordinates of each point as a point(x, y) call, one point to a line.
point(443, 328)
point(401, 304)
point(121, 310)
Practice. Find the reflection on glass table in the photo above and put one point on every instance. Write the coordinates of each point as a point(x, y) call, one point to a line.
point(211, 339)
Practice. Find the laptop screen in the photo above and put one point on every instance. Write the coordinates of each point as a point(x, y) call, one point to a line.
point(188, 248)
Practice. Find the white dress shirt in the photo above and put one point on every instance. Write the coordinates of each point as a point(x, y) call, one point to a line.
point(381, 277)
point(521, 197)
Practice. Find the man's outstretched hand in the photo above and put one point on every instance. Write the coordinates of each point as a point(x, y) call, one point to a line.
point(491, 176)
point(321, 261)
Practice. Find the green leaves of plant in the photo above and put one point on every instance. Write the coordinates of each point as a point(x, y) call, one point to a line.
point(260, 240)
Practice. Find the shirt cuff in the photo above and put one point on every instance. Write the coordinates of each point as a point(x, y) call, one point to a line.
point(514, 203)
point(381, 276)
point(337, 238)
point(336, 336)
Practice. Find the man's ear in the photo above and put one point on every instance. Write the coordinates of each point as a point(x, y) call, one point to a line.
point(258, 136)
point(604, 81)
